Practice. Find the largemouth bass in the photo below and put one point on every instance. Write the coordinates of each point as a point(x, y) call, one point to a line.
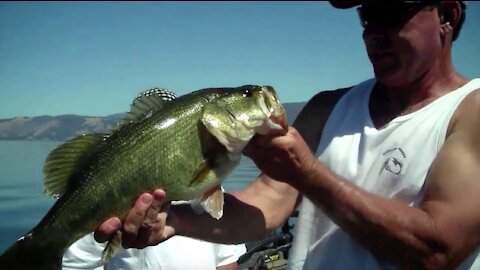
point(185, 145)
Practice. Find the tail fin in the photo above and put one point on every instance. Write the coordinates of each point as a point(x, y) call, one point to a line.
point(25, 254)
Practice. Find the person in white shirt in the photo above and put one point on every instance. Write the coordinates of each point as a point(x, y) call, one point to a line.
point(177, 253)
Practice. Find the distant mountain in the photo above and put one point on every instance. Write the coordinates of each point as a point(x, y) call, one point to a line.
point(62, 127)
point(53, 128)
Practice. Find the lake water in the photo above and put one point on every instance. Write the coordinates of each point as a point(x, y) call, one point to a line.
point(22, 202)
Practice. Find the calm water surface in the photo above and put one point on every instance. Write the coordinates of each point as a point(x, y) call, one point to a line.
point(22, 202)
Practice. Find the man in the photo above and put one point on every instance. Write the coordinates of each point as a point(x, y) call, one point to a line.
point(388, 170)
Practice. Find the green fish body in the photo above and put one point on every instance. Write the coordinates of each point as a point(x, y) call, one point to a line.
point(184, 145)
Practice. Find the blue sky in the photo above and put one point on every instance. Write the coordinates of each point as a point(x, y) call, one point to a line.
point(92, 58)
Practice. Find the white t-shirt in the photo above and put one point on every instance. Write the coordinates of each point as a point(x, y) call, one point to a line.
point(177, 253)
point(391, 162)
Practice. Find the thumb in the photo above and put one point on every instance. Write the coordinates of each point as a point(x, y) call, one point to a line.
point(106, 230)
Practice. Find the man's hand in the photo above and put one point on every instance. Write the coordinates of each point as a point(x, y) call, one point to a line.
point(144, 225)
point(285, 158)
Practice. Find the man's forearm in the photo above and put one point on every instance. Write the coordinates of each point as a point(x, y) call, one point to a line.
point(240, 222)
point(248, 215)
point(374, 221)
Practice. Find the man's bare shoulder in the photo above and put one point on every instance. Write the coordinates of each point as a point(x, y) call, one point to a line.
point(311, 119)
point(467, 113)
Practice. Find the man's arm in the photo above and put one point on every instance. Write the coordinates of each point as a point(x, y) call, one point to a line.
point(248, 215)
point(440, 233)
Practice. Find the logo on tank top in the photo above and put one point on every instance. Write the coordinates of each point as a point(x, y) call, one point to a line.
point(394, 161)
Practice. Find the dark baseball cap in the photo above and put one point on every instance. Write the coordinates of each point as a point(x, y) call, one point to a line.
point(351, 3)
point(344, 4)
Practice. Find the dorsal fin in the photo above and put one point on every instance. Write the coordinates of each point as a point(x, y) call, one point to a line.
point(146, 103)
point(63, 162)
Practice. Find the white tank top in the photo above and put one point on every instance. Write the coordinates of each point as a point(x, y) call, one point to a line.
point(392, 162)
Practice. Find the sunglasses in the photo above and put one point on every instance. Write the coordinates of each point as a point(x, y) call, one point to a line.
point(389, 14)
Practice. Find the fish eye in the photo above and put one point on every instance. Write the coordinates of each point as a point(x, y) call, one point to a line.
point(247, 93)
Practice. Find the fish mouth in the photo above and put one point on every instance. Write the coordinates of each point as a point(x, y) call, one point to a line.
point(275, 109)
point(270, 120)
point(279, 124)
point(282, 121)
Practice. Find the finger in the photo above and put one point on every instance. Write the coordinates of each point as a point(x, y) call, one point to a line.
point(158, 197)
point(134, 219)
point(158, 233)
point(152, 235)
point(141, 241)
point(258, 141)
point(147, 228)
point(106, 230)
point(262, 140)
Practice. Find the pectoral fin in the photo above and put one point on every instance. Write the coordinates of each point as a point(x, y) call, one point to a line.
point(212, 202)
point(112, 247)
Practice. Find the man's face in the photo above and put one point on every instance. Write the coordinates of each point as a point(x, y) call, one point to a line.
point(402, 40)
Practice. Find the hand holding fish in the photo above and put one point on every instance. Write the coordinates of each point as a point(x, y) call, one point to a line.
point(143, 226)
point(284, 158)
